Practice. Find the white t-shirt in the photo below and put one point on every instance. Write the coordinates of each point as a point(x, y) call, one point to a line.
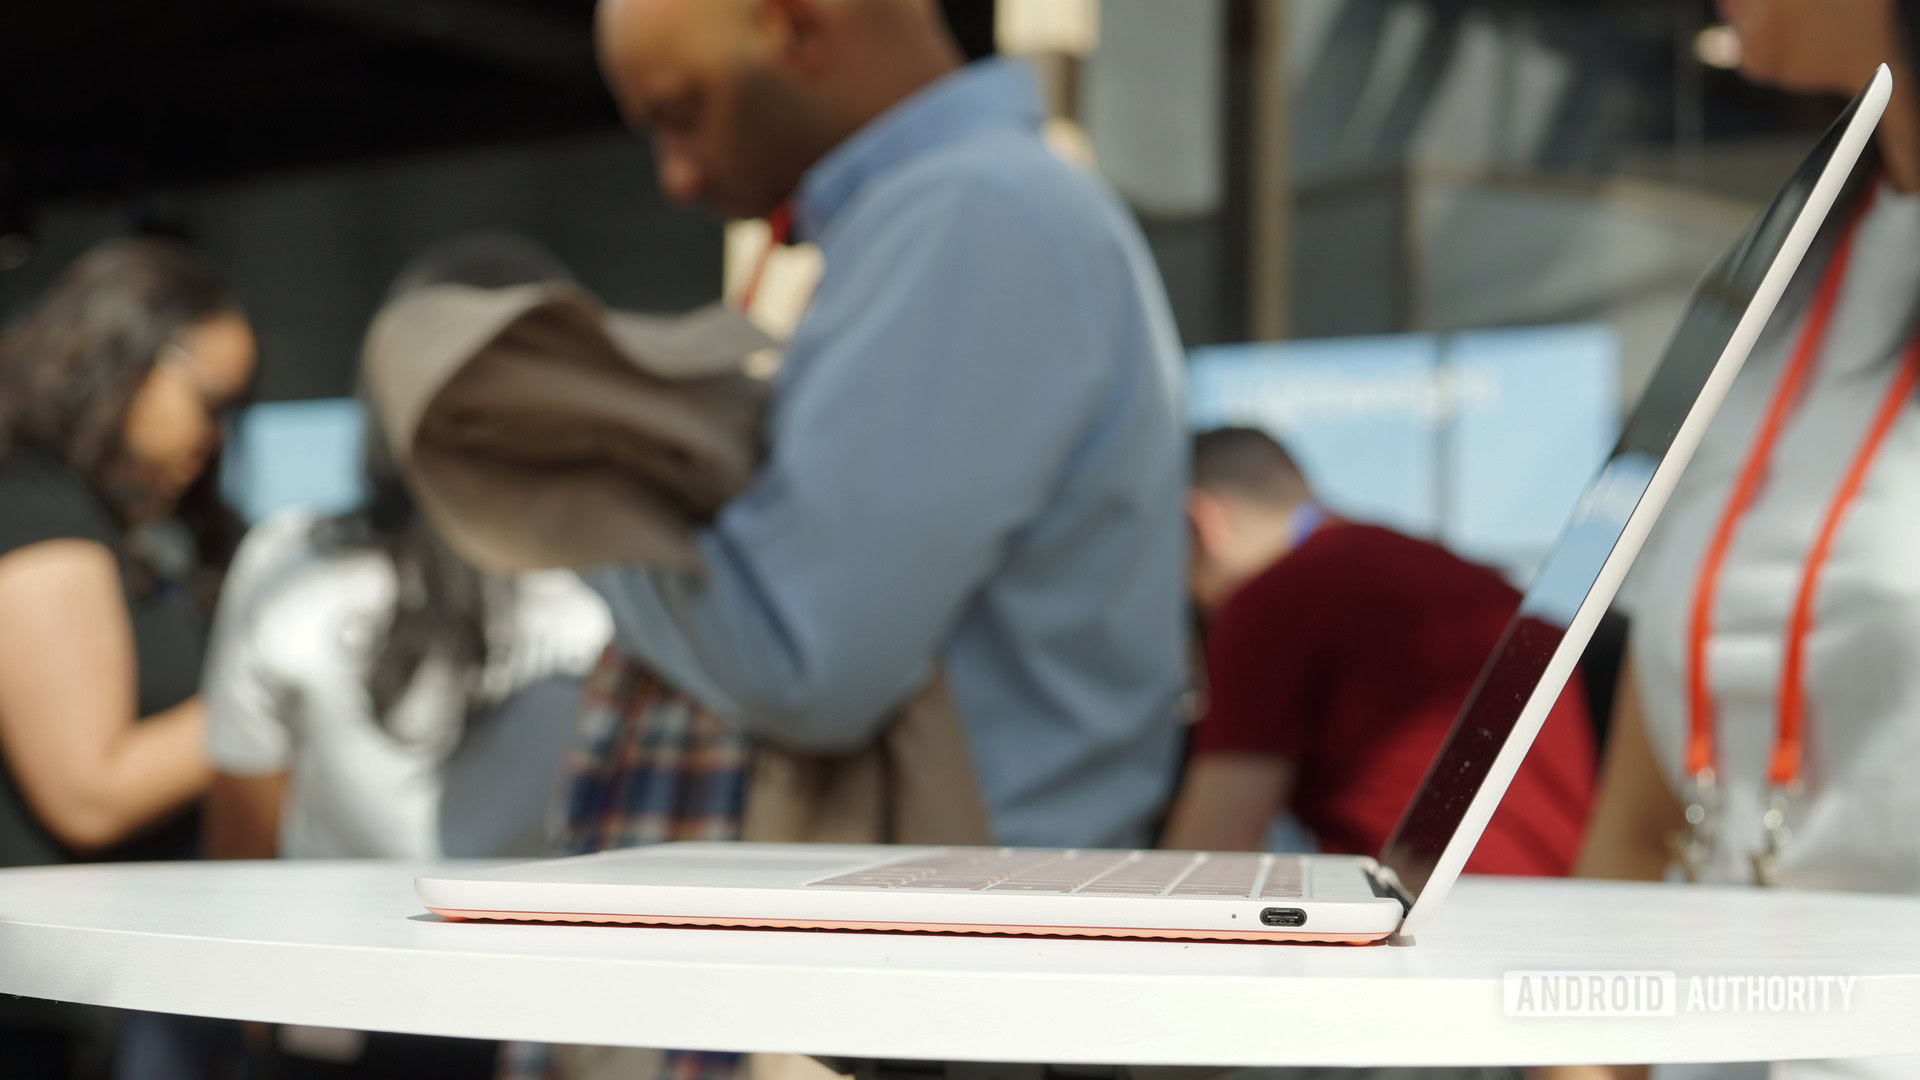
point(286, 693)
point(1855, 827)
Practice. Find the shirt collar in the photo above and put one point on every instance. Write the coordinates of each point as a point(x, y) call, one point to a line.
point(987, 94)
point(1305, 521)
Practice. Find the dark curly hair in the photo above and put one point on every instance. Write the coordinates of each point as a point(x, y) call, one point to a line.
point(69, 371)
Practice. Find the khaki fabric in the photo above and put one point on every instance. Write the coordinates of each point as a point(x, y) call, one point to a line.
point(787, 1067)
point(916, 786)
point(540, 430)
point(607, 1062)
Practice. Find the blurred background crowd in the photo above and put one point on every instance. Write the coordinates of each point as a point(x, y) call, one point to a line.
point(1419, 254)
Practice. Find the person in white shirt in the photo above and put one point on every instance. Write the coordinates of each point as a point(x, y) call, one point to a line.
point(1776, 607)
point(369, 694)
point(337, 708)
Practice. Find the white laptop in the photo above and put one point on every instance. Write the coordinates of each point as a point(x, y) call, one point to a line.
point(1180, 895)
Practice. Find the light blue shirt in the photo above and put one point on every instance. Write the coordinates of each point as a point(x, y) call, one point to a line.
point(976, 458)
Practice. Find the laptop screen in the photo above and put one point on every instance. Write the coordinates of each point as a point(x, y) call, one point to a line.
point(1573, 569)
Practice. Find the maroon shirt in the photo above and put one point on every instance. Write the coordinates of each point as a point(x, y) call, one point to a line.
point(1350, 657)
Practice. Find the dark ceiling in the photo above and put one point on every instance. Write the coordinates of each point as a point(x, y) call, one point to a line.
point(106, 96)
point(99, 96)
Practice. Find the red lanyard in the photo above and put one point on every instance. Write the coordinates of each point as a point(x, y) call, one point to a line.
point(1783, 769)
point(779, 228)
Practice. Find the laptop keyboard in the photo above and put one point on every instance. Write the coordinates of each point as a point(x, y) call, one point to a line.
point(1187, 875)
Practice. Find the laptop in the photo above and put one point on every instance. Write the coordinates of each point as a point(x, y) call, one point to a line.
point(1178, 895)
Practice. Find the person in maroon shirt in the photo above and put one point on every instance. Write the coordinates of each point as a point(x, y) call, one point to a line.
point(1337, 656)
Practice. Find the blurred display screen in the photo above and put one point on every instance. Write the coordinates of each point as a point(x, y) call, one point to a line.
point(1482, 441)
point(289, 455)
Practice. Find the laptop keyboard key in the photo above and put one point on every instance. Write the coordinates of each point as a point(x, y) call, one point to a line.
point(1135, 874)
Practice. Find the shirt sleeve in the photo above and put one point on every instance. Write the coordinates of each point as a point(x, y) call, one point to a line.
point(40, 501)
point(931, 403)
point(560, 629)
point(246, 699)
point(1267, 662)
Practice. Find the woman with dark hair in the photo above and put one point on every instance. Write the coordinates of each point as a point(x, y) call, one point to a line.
point(112, 395)
point(353, 655)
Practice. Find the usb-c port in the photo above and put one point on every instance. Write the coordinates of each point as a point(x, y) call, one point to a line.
point(1284, 916)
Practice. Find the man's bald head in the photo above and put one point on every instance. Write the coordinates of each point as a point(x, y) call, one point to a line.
point(743, 96)
point(644, 30)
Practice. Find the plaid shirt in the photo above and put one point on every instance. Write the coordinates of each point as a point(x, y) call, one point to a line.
point(648, 765)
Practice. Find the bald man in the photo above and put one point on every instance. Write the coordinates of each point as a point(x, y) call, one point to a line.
point(976, 453)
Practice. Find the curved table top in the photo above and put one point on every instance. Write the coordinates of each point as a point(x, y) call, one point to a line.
point(348, 945)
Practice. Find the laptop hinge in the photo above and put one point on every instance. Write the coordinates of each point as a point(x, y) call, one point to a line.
point(1386, 883)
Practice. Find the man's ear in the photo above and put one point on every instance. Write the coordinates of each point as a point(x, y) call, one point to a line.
point(798, 29)
point(1211, 523)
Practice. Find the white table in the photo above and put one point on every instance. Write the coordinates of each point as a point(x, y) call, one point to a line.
point(347, 945)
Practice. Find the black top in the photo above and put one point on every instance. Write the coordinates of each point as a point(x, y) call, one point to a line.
point(1910, 21)
point(41, 499)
